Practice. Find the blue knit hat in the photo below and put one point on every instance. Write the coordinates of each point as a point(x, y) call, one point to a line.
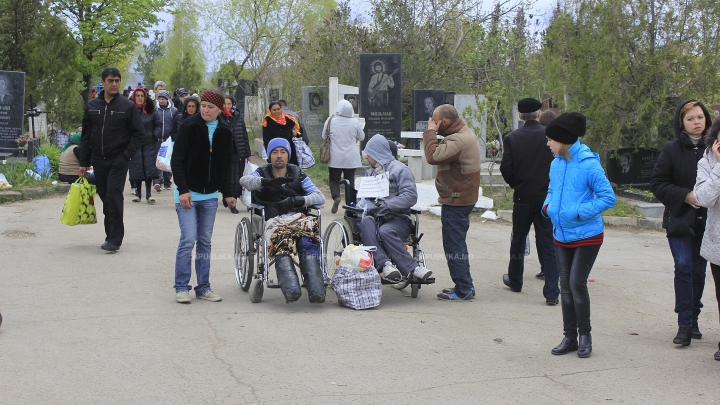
point(279, 143)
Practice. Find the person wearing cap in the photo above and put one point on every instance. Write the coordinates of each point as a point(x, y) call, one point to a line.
point(179, 100)
point(386, 224)
point(578, 193)
point(167, 113)
point(283, 188)
point(203, 163)
point(457, 157)
point(525, 167)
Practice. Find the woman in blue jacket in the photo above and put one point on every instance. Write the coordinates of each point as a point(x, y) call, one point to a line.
point(579, 192)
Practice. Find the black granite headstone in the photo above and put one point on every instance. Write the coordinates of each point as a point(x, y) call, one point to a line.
point(245, 88)
point(424, 103)
point(353, 99)
point(380, 90)
point(631, 167)
point(12, 107)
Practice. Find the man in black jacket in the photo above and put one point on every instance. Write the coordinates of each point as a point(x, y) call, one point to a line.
point(112, 132)
point(525, 167)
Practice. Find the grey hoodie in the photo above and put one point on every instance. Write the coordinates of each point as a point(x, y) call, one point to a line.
point(403, 192)
point(707, 194)
point(345, 132)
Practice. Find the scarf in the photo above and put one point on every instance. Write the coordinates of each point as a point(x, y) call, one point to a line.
point(282, 120)
point(140, 107)
point(73, 140)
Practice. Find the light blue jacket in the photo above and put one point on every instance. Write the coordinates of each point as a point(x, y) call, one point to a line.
point(579, 192)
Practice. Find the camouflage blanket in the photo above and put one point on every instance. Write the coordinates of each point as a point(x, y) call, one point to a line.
point(283, 240)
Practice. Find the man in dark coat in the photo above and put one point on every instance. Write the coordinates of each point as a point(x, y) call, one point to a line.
point(112, 132)
point(525, 167)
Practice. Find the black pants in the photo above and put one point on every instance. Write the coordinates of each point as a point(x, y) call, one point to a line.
point(524, 215)
point(167, 177)
point(716, 276)
point(574, 266)
point(347, 174)
point(110, 175)
point(148, 188)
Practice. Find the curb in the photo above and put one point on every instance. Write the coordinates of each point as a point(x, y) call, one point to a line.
point(639, 223)
point(33, 192)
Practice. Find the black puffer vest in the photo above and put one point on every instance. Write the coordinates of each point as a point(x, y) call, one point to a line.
point(270, 196)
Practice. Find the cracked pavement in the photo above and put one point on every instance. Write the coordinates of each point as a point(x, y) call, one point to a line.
point(84, 326)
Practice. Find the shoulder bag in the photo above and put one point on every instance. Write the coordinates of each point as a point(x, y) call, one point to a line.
point(325, 146)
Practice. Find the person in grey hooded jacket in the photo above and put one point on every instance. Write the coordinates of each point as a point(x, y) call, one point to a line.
point(345, 132)
point(707, 194)
point(386, 224)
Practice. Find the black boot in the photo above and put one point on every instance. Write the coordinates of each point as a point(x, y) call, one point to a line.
point(585, 346)
point(683, 336)
point(566, 346)
point(314, 280)
point(287, 278)
point(696, 332)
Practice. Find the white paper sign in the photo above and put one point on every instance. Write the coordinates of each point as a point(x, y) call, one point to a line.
point(374, 186)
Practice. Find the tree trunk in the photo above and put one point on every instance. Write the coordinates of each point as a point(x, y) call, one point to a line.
point(87, 91)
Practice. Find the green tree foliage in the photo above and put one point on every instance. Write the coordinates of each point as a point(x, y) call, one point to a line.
point(626, 64)
point(148, 55)
point(182, 62)
point(17, 25)
point(106, 31)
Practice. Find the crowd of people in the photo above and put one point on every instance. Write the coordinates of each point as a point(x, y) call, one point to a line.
point(560, 188)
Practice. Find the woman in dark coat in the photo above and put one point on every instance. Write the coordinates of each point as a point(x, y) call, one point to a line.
point(190, 107)
point(277, 124)
point(241, 142)
point(672, 182)
point(142, 165)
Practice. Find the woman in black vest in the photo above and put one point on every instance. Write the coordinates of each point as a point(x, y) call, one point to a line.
point(672, 182)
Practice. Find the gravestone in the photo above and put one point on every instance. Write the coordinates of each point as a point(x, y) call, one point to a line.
point(380, 92)
point(631, 167)
point(424, 103)
point(353, 99)
point(244, 88)
point(12, 107)
point(315, 111)
point(468, 108)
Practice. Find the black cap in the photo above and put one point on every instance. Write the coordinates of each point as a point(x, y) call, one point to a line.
point(566, 128)
point(182, 91)
point(528, 105)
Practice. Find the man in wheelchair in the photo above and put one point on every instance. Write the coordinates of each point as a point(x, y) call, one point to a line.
point(285, 190)
point(386, 223)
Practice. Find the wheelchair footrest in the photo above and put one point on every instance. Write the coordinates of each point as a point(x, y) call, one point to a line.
point(431, 280)
point(272, 284)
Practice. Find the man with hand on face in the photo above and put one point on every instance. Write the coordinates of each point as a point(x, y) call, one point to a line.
point(283, 188)
point(457, 157)
point(112, 131)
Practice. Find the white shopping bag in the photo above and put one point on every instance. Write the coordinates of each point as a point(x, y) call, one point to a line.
point(164, 155)
point(246, 194)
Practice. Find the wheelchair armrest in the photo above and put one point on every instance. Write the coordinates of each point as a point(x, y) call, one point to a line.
point(415, 212)
point(316, 207)
point(353, 209)
point(257, 206)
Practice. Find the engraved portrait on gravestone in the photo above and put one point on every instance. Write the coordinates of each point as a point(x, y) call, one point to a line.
point(315, 101)
point(625, 162)
point(353, 99)
point(429, 106)
point(5, 96)
point(379, 84)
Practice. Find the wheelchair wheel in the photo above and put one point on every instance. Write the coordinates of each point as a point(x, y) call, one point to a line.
point(414, 289)
point(256, 290)
point(243, 254)
point(335, 238)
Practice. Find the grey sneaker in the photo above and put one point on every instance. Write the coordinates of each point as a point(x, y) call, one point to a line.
point(183, 297)
point(132, 191)
point(390, 272)
point(158, 188)
point(422, 273)
point(209, 295)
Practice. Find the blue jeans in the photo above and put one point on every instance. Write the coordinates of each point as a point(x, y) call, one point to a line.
point(196, 227)
point(689, 277)
point(524, 215)
point(455, 224)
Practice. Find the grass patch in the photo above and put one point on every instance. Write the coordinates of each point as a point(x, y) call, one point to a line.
point(502, 197)
point(319, 173)
point(622, 208)
point(16, 176)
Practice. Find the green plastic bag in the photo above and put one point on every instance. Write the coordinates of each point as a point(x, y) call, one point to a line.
point(79, 206)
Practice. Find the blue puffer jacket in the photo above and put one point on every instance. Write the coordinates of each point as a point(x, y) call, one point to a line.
point(579, 192)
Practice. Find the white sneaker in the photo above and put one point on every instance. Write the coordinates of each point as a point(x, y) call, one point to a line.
point(132, 191)
point(422, 273)
point(183, 297)
point(390, 272)
point(158, 188)
point(209, 295)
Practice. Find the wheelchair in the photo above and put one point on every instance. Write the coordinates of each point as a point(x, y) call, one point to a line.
point(342, 232)
point(252, 262)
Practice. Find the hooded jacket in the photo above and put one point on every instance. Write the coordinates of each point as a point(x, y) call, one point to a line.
point(675, 171)
point(110, 129)
point(403, 191)
point(345, 132)
point(167, 116)
point(181, 115)
point(578, 193)
point(457, 157)
point(707, 194)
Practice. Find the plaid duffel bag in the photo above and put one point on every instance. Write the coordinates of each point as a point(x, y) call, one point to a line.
point(357, 289)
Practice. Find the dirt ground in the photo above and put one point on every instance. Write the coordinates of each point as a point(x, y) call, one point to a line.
point(84, 326)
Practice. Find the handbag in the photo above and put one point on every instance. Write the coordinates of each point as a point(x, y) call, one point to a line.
point(79, 208)
point(305, 157)
point(325, 146)
point(682, 224)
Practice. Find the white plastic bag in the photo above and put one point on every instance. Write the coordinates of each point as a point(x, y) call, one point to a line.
point(247, 194)
point(3, 182)
point(357, 257)
point(164, 155)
